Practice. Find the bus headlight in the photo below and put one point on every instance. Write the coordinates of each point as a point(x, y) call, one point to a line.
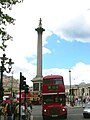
point(63, 109)
point(45, 110)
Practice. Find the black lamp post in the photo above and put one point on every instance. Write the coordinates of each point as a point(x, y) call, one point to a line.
point(2, 69)
point(70, 84)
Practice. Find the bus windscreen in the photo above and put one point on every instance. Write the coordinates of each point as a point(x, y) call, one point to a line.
point(53, 99)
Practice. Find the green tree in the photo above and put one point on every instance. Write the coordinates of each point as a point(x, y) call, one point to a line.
point(6, 19)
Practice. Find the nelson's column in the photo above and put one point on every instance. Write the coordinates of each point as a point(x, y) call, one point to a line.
point(37, 81)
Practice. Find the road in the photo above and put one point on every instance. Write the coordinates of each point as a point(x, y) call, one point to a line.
point(73, 113)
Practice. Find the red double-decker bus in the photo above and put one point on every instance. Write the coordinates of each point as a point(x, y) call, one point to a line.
point(53, 97)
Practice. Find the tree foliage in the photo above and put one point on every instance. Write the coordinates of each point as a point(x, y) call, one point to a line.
point(6, 19)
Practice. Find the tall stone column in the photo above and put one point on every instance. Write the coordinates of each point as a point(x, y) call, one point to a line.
point(38, 79)
point(39, 49)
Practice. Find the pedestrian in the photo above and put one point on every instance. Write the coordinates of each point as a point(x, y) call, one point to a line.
point(31, 105)
point(16, 113)
point(5, 110)
point(9, 112)
point(76, 101)
point(0, 110)
point(23, 113)
point(29, 111)
point(84, 100)
point(13, 111)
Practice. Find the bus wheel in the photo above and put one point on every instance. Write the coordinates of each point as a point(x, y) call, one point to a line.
point(44, 117)
point(65, 116)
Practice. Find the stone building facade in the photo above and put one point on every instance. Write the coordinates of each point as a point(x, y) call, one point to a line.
point(82, 90)
point(10, 83)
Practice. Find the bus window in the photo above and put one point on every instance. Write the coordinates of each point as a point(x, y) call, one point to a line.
point(58, 81)
point(47, 99)
point(47, 81)
point(56, 99)
point(59, 99)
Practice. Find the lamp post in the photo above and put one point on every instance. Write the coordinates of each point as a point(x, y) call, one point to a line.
point(12, 89)
point(70, 83)
point(2, 69)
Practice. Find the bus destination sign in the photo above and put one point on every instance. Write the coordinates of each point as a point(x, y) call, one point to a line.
point(54, 87)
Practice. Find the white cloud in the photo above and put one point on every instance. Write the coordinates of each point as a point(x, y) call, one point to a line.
point(59, 17)
point(79, 73)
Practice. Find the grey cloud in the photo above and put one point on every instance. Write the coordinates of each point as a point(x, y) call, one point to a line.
point(76, 29)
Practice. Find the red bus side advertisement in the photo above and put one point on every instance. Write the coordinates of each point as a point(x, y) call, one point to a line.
point(53, 97)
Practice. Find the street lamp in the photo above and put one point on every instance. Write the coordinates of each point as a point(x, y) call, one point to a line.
point(2, 69)
point(70, 83)
point(12, 89)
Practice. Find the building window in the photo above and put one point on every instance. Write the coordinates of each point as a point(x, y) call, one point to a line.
point(41, 86)
point(36, 87)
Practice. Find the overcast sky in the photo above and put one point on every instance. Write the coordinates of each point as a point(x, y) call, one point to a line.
point(66, 39)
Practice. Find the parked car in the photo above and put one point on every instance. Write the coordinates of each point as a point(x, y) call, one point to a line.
point(86, 110)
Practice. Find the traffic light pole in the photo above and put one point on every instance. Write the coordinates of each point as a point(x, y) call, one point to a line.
point(23, 86)
point(70, 84)
point(25, 100)
point(20, 96)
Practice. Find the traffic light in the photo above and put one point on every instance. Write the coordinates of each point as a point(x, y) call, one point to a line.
point(22, 82)
point(26, 88)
